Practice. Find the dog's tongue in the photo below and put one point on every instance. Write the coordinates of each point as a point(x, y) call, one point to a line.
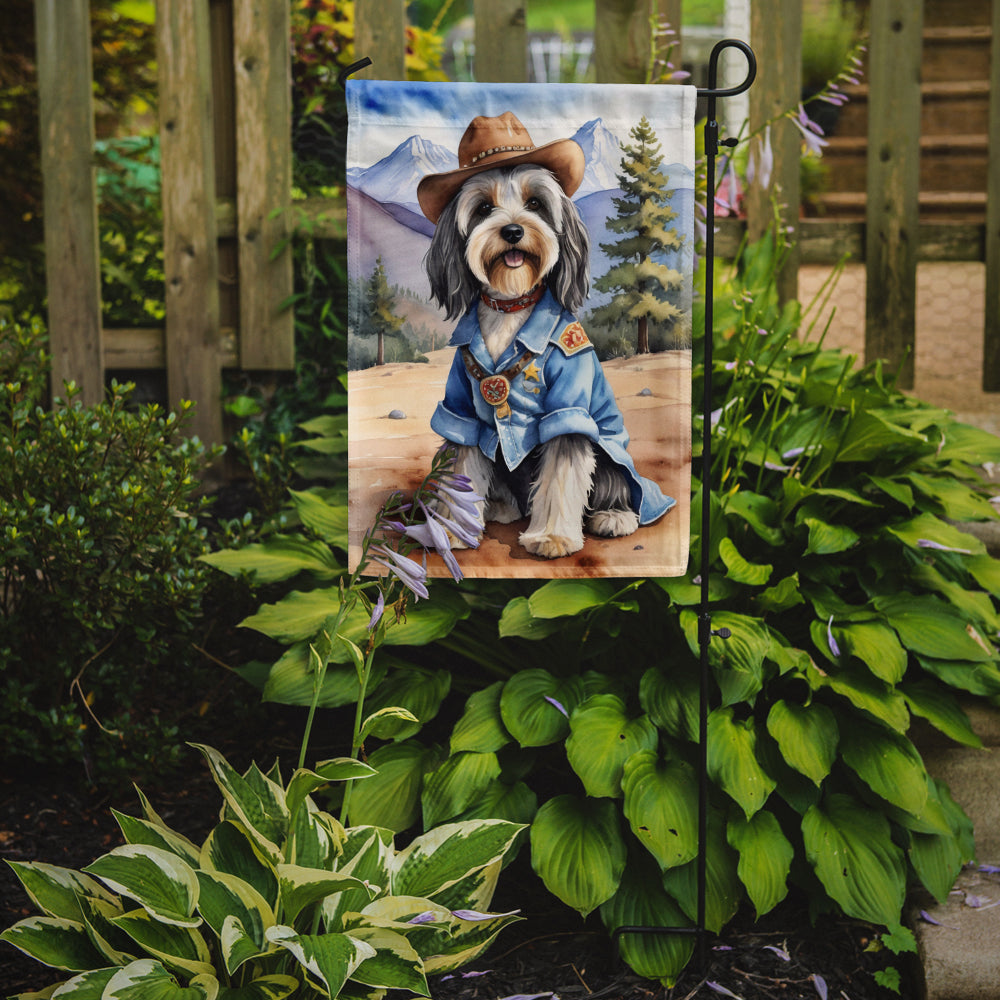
point(513, 258)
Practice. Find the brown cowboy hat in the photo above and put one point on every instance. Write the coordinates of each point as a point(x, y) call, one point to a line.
point(495, 142)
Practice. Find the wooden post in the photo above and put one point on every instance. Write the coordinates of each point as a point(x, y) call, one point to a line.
point(991, 333)
point(380, 34)
point(623, 37)
point(893, 184)
point(72, 255)
point(501, 37)
point(190, 254)
point(262, 61)
point(776, 34)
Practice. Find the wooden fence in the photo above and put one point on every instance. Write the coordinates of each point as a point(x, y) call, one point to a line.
point(226, 161)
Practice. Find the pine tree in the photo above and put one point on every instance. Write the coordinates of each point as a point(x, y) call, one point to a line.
point(380, 319)
point(643, 288)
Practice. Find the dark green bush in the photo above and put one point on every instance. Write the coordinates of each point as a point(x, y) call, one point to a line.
point(100, 587)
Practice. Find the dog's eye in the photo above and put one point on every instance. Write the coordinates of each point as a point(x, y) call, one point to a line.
point(533, 203)
point(483, 209)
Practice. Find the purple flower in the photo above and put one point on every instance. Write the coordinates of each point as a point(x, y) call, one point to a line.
point(811, 132)
point(377, 611)
point(780, 952)
point(834, 648)
point(432, 535)
point(820, 983)
point(427, 917)
point(927, 543)
point(761, 164)
point(475, 915)
point(552, 701)
point(408, 571)
point(461, 503)
point(719, 988)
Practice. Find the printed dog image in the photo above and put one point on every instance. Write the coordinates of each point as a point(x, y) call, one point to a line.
point(534, 421)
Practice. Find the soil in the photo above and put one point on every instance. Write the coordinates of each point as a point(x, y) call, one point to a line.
point(550, 953)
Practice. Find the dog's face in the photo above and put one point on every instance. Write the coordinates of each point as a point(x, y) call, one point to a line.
point(504, 232)
point(510, 220)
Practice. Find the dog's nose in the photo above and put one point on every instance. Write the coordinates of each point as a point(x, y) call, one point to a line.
point(512, 233)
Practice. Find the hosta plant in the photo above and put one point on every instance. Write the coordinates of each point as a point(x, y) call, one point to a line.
point(279, 900)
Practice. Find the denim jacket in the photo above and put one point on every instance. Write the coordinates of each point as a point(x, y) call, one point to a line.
point(561, 390)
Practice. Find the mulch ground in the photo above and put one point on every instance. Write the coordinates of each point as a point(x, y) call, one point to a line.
point(551, 953)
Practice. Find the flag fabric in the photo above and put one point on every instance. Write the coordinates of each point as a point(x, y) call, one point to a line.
point(520, 261)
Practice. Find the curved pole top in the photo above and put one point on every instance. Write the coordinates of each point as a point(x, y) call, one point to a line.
point(713, 69)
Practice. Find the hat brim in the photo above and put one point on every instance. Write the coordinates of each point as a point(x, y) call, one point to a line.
point(564, 157)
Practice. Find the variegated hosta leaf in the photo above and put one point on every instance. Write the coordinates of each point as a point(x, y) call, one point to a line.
point(602, 737)
point(456, 784)
point(87, 986)
point(850, 847)
point(225, 897)
point(54, 941)
point(116, 946)
point(642, 902)
point(329, 959)
point(395, 964)
point(300, 887)
point(256, 801)
point(476, 890)
point(177, 947)
point(315, 838)
point(441, 857)
point(481, 727)
point(732, 760)
point(467, 941)
point(230, 849)
point(274, 987)
point(888, 763)
point(661, 805)
point(141, 831)
point(723, 889)
point(367, 853)
point(158, 880)
point(304, 782)
point(578, 851)
point(807, 736)
point(149, 980)
point(535, 706)
point(56, 891)
point(765, 858)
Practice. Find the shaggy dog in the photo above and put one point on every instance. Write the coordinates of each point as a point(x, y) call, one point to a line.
point(533, 419)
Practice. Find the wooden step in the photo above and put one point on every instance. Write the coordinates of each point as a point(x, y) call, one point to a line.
point(945, 12)
point(956, 53)
point(947, 163)
point(957, 206)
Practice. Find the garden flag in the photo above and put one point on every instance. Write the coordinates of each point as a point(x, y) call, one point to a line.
point(520, 263)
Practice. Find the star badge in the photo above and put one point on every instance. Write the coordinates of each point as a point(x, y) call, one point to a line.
point(532, 372)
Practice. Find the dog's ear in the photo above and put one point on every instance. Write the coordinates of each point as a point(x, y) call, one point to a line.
point(569, 280)
point(453, 285)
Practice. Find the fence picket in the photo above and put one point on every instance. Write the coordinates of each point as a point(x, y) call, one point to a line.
point(380, 34)
point(501, 41)
point(72, 257)
point(892, 215)
point(190, 251)
point(991, 333)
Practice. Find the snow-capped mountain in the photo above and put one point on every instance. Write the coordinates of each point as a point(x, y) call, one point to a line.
point(395, 177)
point(602, 152)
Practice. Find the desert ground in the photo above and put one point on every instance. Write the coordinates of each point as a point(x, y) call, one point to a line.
point(394, 453)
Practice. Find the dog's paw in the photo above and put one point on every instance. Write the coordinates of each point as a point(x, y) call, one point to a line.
point(502, 511)
point(612, 523)
point(550, 546)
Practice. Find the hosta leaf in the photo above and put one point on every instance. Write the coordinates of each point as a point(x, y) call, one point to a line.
point(876, 646)
point(732, 760)
point(330, 959)
point(559, 598)
point(98, 916)
point(327, 520)
point(661, 800)
point(931, 628)
point(159, 881)
point(827, 539)
point(417, 690)
point(87, 986)
point(395, 964)
point(723, 889)
point(441, 857)
point(291, 680)
point(807, 736)
point(466, 941)
point(230, 849)
point(758, 511)
point(387, 723)
point(366, 855)
point(147, 979)
point(578, 851)
point(304, 782)
point(481, 728)
point(986, 571)
point(783, 595)
point(850, 848)
point(888, 763)
point(279, 558)
point(517, 620)
point(936, 704)
point(54, 941)
point(739, 569)
point(180, 948)
point(866, 692)
point(958, 502)
point(301, 887)
point(937, 858)
point(391, 798)
point(641, 901)
point(516, 803)
point(928, 528)
point(870, 435)
point(225, 897)
point(141, 831)
point(456, 784)
point(275, 987)
point(738, 661)
point(765, 858)
point(976, 678)
point(56, 891)
point(530, 706)
point(671, 700)
point(602, 738)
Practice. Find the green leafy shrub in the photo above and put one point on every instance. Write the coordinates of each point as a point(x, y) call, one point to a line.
point(280, 899)
point(101, 584)
point(855, 605)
